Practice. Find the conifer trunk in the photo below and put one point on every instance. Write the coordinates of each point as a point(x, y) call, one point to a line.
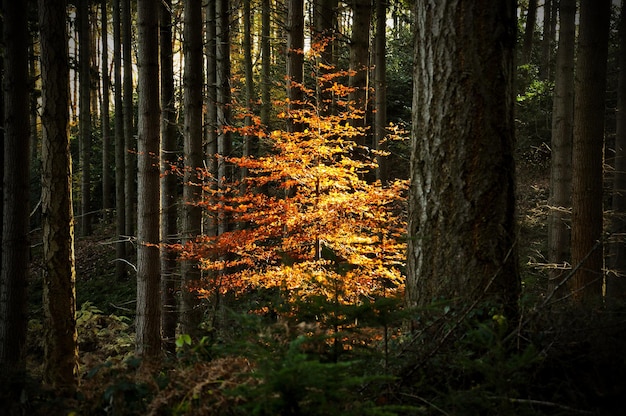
point(84, 116)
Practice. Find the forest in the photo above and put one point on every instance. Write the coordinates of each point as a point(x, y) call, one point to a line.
point(313, 207)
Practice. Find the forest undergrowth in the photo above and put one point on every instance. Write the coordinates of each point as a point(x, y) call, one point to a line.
point(372, 358)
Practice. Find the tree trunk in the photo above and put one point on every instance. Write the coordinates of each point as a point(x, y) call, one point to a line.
point(359, 64)
point(191, 315)
point(16, 186)
point(59, 293)
point(616, 282)
point(120, 205)
point(130, 158)
point(211, 106)
point(562, 130)
point(84, 116)
point(223, 100)
point(148, 344)
point(266, 62)
point(295, 60)
point(380, 79)
point(325, 23)
point(546, 42)
point(106, 141)
point(169, 198)
point(250, 143)
point(589, 102)
point(461, 232)
point(529, 31)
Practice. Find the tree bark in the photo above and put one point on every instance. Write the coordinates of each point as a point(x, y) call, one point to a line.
point(169, 198)
point(559, 220)
point(529, 31)
point(59, 293)
point(130, 157)
point(266, 62)
point(461, 232)
point(106, 128)
point(295, 60)
point(84, 116)
point(223, 100)
point(380, 80)
point(616, 282)
point(120, 168)
point(148, 341)
point(589, 102)
point(359, 64)
point(211, 108)
point(15, 189)
point(191, 313)
point(546, 42)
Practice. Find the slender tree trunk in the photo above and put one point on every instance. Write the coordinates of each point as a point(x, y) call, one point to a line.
point(295, 59)
point(16, 186)
point(380, 75)
point(562, 132)
point(587, 158)
point(191, 315)
point(120, 205)
point(325, 21)
point(106, 128)
point(223, 100)
point(546, 42)
point(148, 344)
point(249, 142)
point(359, 63)
point(211, 106)
point(266, 63)
point(616, 282)
point(130, 158)
point(461, 232)
point(529, 31)
point(59, 293)
point(169, 198)
point(84, 117)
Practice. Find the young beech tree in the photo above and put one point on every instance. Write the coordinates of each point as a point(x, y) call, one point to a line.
point(461, 243)
point(333, 235)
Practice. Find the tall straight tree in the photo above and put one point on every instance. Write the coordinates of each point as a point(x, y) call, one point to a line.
point(130, 159)
point(84, 115)
point(590, 92)
point(16, 186)
point(59, 293)
point(529, 31)
point(380, 83)
point(223, 98)
point(295, 58)
point(106, 88)
point(211, 106)
point(249, 142)
point(546, 41)
point(616, 283)
point(148, 321)
point(325, 23)
point(266, 62)
point(562, 134)
point(461, 232)
point(193, 158)
point(120, 168)
point(169, 197)
point(359, 62)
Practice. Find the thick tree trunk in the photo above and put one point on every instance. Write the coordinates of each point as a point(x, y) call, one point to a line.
point(106, 128)
point(461, 243)
point(295, 59)
point(616, 282)
point(59, 293)
point(16, 186)
point(587, 158)
point(148, 341)
point(84, 116)
point(325, 23)
point(546, 42)
point(359, 64)
point(169, 198)
point(211, 108)
point(120, 168)
point(529, 31)
point(191, 313)
point(559, 220)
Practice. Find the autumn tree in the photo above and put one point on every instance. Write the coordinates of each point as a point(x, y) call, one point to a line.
point(59, 294)
point(191, 314)
point(561, 145)
point(461, 232)
point(587, 158)
point(148, 320)
point(15, 189)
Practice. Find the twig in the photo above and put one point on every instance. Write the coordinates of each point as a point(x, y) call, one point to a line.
point(543, 403)
point(437, 408)
point(125, 261)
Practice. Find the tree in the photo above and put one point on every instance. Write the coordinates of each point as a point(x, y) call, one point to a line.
point(148, 321)
point(461, 232)
point(84, 117)
point(59, 294)
point(191, 315)
point(120, 168)
point(130, 161)
point(562, 130)
point(211, 105)
point(169, 200)
point(222, 55)
point(15, 186)
point(546, 42)
point(359, 61)
point(616, 283)
point(106, 88)
point(590, 90)
point(266, 62)
point(529, 31)
point(380, 82)
point(295, 59)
